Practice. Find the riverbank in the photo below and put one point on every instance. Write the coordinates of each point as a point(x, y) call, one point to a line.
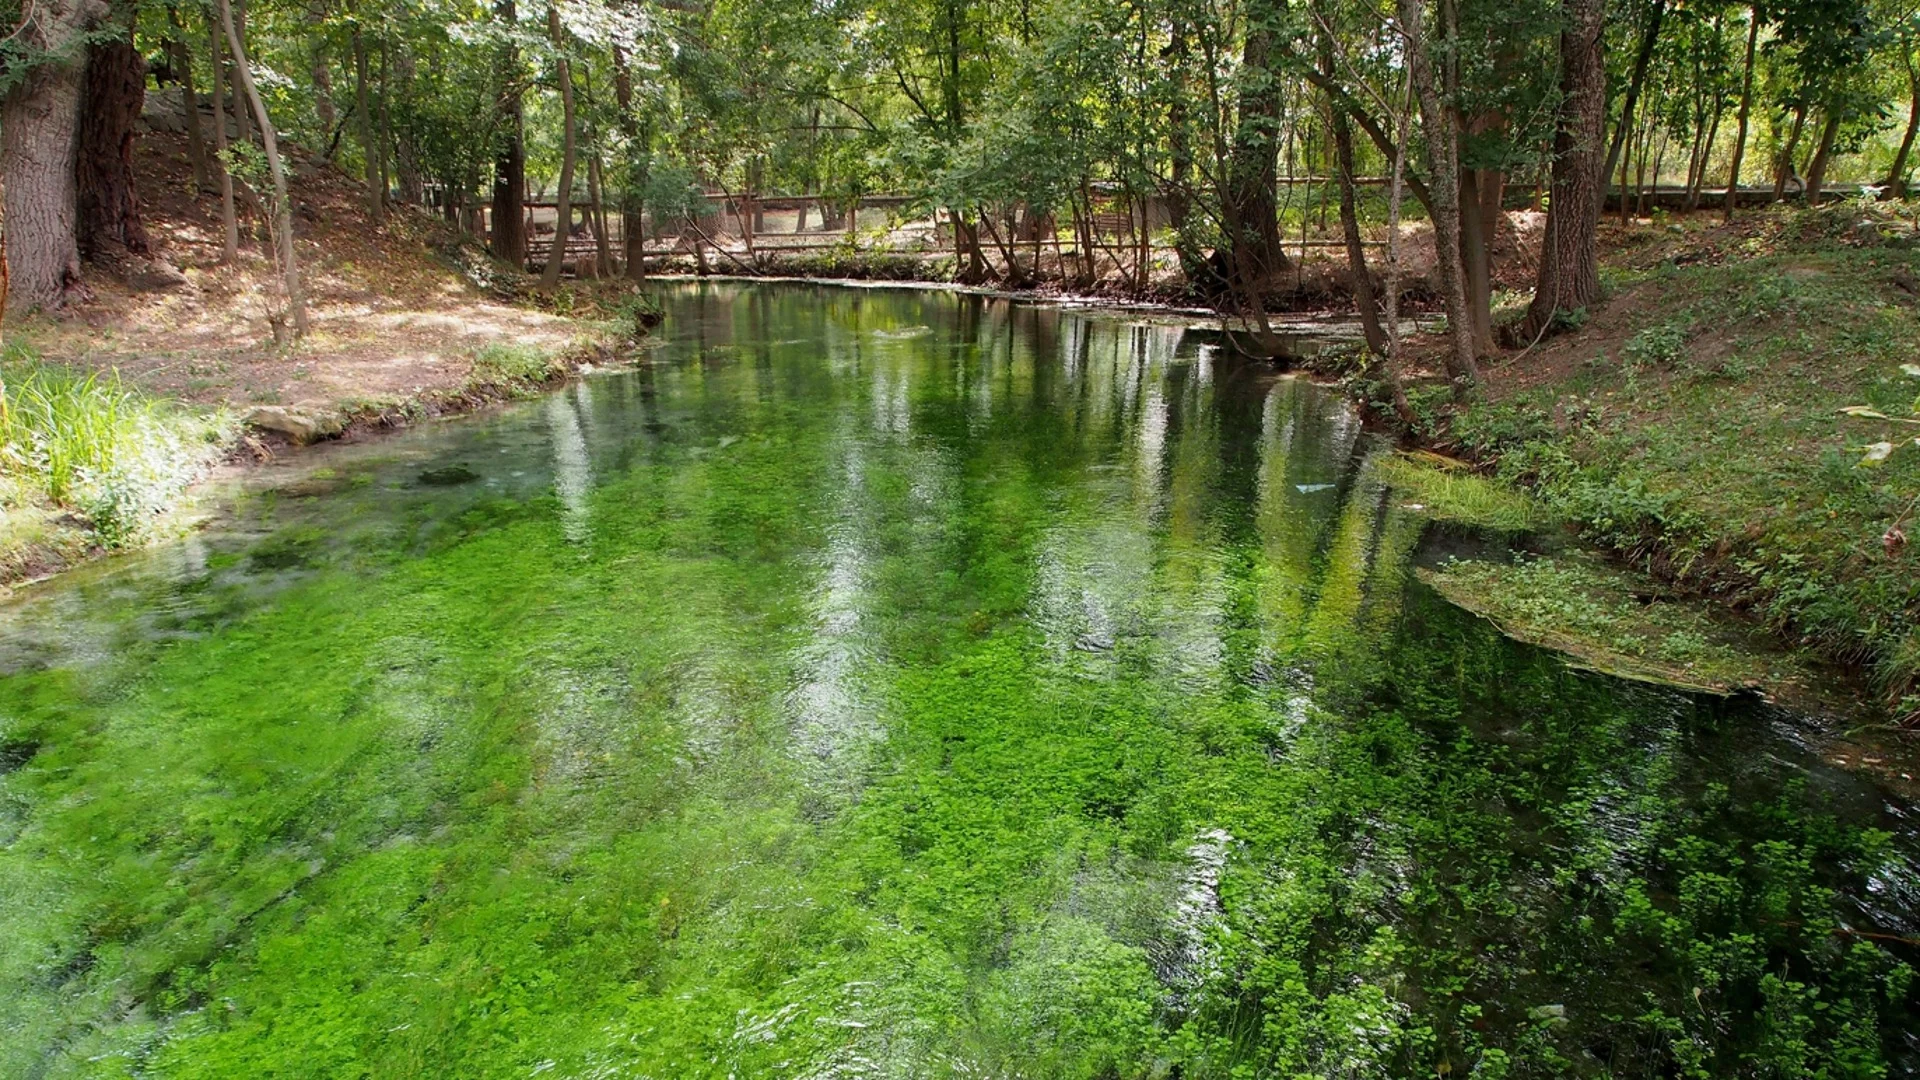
point(169, 365)
point(1739, 420)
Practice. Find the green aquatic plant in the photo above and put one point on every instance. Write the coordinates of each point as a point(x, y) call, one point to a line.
point(906, 706)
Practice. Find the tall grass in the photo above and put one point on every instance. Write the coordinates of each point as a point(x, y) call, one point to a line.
point(87, 442)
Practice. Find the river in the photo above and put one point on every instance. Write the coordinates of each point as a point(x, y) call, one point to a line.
point(894, 683)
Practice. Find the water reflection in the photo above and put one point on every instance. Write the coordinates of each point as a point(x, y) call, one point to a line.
point(896, 683)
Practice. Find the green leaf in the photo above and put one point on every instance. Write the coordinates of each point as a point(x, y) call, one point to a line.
point(1877, 453)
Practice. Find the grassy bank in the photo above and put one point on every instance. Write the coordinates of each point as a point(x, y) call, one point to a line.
point(1740, 417)
point(87, 462)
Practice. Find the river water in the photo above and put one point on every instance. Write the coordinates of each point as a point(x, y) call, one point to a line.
point(883, 683)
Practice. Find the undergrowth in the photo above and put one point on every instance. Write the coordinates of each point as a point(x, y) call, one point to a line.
point(1743, 427)
point(88, 444)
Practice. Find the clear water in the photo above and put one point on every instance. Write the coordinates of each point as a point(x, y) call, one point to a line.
point(894, 684)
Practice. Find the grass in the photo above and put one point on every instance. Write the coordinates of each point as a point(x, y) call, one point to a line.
point(1447, 489)
point(501, 363)
point(1617, 621)
point(1697, 426)
point(85, 445)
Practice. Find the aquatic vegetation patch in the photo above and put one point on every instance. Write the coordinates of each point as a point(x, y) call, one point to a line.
point(908, 718)
point(1624, 623)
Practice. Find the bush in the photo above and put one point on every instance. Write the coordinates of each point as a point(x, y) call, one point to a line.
point(498, 364)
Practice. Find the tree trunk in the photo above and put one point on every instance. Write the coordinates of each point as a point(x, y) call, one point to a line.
point(1897, 176)
point(229, 216)
point(597, 218)
point(1817, 171)
point(1569, 257)
point(183, 60)
point(320, 68)
point(1249, 208)
point(384, 139)
point(1745, 114)
point(283, 205)
point(406, 151)
point(242, 123)
point(550, 274)
point(363, 113)
point(1443, 170)
point(109, 207)
point(1363, 296)
point(1476, 257)
point(633, 235)
point(1783, 167)
point(508, 238)
point(1649, 36)
point(39, 122)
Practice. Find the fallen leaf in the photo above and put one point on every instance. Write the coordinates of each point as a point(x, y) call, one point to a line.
point(1877, 453)
point(1911, 369)
point(1867, 411)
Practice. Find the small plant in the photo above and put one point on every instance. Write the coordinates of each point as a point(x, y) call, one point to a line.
point(500, 363)
point(1656, 346)
point(87, 442)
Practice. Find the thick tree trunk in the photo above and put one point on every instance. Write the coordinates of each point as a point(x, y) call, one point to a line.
point(1817, 171)
point(1569, 257)
point(190, 101)
point(1746, 112)
point(1249, 208)
point(1443, 170)
point(229, 215)
point(39, 123)
point(508, 238)
point(1476, 255)
point(109, 207)
point(283, 205)
point(557, 254)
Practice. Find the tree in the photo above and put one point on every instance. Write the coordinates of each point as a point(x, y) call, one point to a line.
point(563, 214)
point(282, 204)
point(39, 127)
point(1443, 166)
point(115, 88)
point(1569, 277)
point(509, 235)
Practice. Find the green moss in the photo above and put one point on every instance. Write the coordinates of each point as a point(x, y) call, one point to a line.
point(1450, 491)
point(1624, 623)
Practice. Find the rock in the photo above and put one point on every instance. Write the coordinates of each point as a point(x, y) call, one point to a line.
point(302, 424)
point(154, 275)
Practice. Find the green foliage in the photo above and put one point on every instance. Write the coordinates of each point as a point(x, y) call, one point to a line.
point(90, 443)
point(1722, 449)
point(507, 364)
point(1458, 495)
